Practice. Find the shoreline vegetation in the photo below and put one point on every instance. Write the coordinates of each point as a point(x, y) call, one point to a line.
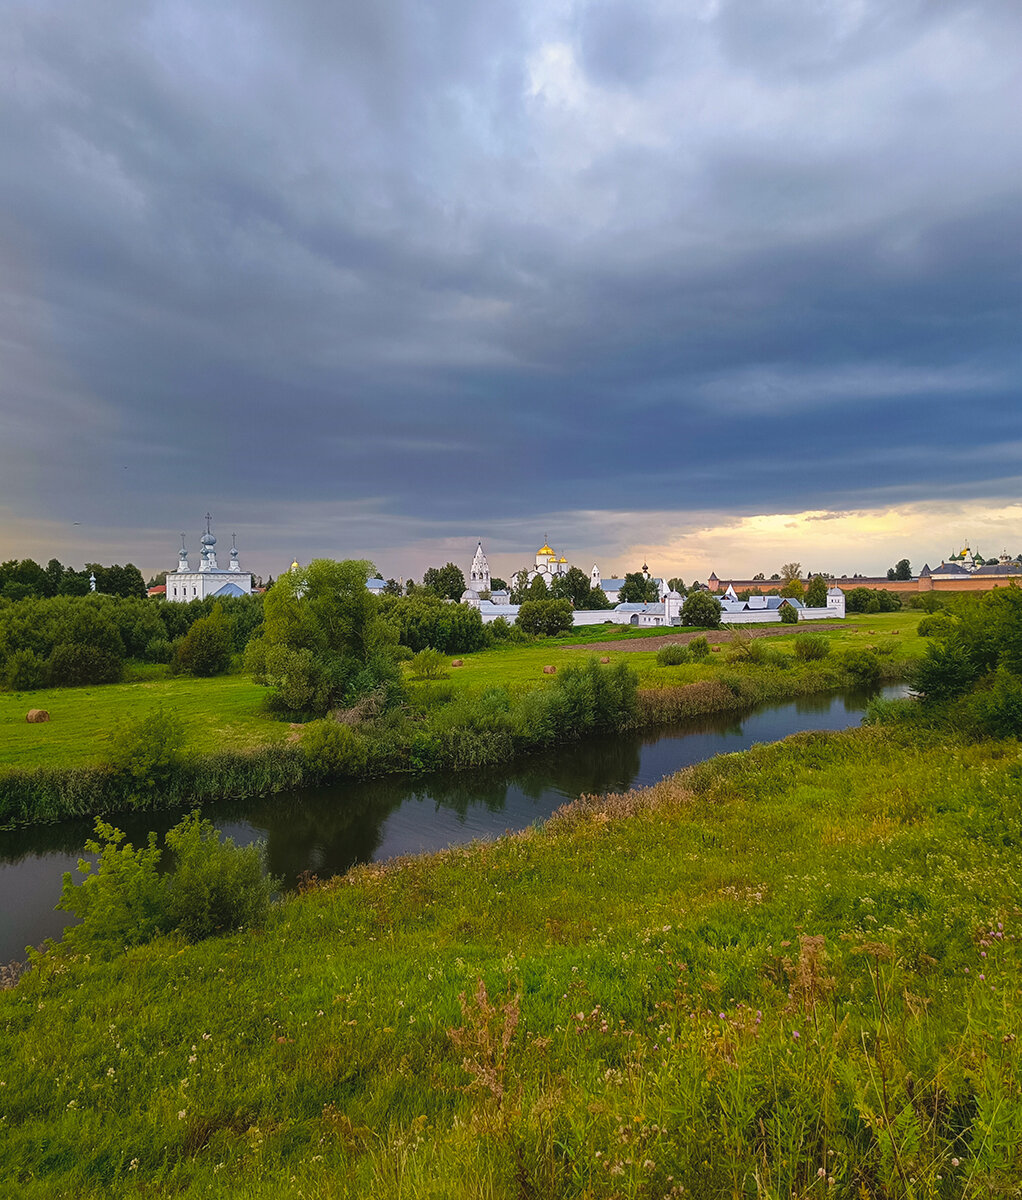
point(483, 715)
point(793, 970)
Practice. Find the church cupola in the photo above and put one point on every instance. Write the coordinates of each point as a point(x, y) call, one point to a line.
point(182, 557)
point(208, 552)
point(235, 566)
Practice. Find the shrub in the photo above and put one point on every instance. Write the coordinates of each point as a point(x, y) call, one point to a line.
point(122, 901)
point(862, 665)
point(702, 609)
point(945, 673)
point(300, 678)
point(73, 664)
point(334, 749)
point(148, 749)
point(206, 648)
point(159, 650)
point(24, 671)
point(811, 647)
point(936, 625)
point(998, 710)
point(699, 647)
point(216, 886)
point(429, 664)
point(789, 615)
point(673, 656)
point(500, 629)
point(549, 617)
point(403, 653)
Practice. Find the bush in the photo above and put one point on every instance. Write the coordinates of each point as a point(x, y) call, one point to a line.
point(121, 901)
point(789, 615)
point(549, 617)
point(936, 625)
point(206, 648)
point(499, 629)
point(811, 647)
point(998, 710)
point(673, 656)
point(148, 749)
point(159, 650)
point(699, 647)
point(24, 671)
point(701, 609)
point(945, 673)
point(300, 678)
point(862, 665)
point(74, 664)
point(216, 886)
point(429, 664)
point(334, 749)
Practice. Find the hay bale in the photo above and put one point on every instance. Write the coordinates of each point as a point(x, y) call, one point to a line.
point(458, 662)
point(715, 649)
point(36, 716)
point(604, 659)
point(549, 670)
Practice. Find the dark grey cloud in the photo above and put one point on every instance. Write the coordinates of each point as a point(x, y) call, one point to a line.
point(438, 266)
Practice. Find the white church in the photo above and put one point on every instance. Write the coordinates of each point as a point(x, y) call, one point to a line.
point(666, 610)
point(184, 584)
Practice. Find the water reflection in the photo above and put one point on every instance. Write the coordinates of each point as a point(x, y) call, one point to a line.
point(328, 830)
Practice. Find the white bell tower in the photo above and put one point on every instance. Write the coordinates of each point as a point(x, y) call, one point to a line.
point(479, 574)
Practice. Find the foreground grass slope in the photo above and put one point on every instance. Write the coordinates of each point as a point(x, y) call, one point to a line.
point(783, 968)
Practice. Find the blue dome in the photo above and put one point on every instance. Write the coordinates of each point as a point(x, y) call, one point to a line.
point(208, 539)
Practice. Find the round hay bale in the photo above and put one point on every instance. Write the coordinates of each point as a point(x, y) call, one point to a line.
point(549, 670)
point(458, 662)
point(36, 716)
point(715, 649)
point(604, 659)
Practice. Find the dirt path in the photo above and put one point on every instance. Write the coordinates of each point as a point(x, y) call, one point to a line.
point(679, 639)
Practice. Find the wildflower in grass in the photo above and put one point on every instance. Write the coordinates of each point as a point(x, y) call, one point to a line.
point(795, 1034)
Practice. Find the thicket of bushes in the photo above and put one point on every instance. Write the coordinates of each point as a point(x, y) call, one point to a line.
point(77, 640)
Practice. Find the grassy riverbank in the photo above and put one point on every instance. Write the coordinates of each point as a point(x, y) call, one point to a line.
point(781, 968)
point(228, 711)
point(232, 748)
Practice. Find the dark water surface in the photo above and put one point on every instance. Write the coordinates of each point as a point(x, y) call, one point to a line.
point(328, 830)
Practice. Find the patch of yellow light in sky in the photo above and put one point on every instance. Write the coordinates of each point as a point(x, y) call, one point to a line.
point(867, 541)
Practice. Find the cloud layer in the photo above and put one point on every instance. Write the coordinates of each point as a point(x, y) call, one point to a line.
point(362, 278)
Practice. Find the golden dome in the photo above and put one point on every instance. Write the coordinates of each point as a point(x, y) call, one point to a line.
point(544, 550)
point(294, 565)
point(564, 560)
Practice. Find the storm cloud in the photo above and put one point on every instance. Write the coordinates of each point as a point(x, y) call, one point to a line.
point(360, 276)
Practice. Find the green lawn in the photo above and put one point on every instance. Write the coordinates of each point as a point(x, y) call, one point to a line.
point(221, 713)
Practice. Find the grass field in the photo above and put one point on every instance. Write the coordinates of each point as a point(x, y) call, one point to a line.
point(787, 973)
point(227, 712)
point(222, 712)
point(520, 667)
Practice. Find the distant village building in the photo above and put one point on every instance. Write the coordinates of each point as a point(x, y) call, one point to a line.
point(759, 609)
point(184, 584)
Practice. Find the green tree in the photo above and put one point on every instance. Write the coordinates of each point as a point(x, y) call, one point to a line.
point(206, 647)
point(638, 589)
point(573, 585)
point(677, 584)
point(447, 581)
point(149, 748)
point(497, 584)
point(792, 589)
point(790, 571)
point(519, 586)
point(537, 589)
point(816, 595)
point(322, 624)
point(702, 609)
point(549, 617)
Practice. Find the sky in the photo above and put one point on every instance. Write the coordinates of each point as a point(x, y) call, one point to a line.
point(714, 284)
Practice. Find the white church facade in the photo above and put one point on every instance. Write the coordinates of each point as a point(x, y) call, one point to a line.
point(185, 585)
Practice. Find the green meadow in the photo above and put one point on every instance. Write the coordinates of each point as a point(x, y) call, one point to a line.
point(228, 711)
point(792, 972)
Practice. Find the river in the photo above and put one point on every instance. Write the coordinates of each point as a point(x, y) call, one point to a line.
point(326, 831)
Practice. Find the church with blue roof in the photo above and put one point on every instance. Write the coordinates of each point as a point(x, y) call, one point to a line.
point(209, 581)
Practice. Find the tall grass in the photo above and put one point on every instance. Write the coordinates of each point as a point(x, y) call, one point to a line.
point(789, 972)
